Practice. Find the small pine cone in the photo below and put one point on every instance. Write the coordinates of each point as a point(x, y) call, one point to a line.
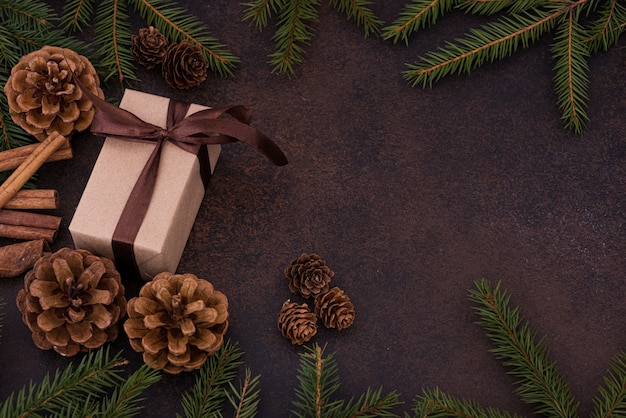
point(297, 322)
point(149, 47)
point(177, 321)
point(335, 309)
point(184, 66)
point(309, 275)
point(43, 97)
point(72, 301)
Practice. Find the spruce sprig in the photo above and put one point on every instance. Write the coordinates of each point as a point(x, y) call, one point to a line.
point(607, 27)
point(294, 27)
point(433, 403)
point(611, 399)
point(416, 15)
point(113, 34)
point(538, 381)
point(177, 24)
point(373, 404)
point(208, 395)
point(245, 399)
point(125, 401)
point(77, 14)
point(95, 374)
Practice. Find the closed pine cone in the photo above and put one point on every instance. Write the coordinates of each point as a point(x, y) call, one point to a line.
point(184, 65)
point(177, 321)
point(149, 47)
point(297, 322)
point(43, 97)
point(308, 275)
point(72, 301)
point(335, 309)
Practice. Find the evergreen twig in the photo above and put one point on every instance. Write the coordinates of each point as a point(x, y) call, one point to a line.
point(433, 403)
point(538, 381)
point(207, 394)
point(373, 404)
point(416, 15)
point(113, 34)
point(124, 402)
point(95, 374)
point(611, 400)
point(245, 400)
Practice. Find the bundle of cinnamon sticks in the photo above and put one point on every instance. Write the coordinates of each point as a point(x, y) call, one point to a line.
point(16, 219)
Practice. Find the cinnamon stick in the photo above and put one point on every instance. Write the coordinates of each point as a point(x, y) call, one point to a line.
point(28, 226)
point(15, 259)
point(34, 199)
point(29, 166)
point(11, 159)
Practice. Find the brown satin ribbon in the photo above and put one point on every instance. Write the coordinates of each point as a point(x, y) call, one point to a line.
point(191, 134)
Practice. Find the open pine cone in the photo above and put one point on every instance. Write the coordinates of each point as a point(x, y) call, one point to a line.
point(308, 275)
point(42, 96)
point(184, 65)
point(297, 322)
point(177, 321)
point(72, 301)
point(149, 47)
point(335, 309)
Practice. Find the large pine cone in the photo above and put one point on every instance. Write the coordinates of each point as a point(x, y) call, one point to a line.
point(184, 65)
point(72, 301)
point(149, 47)
point(42, 96)
point(308, 275)
point(177, 321)
point(297, 322)
point(335, 309)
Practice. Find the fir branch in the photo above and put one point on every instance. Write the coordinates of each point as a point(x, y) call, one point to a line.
point(608, 26)
point(22, 13)
point(260, 11)
point(493, 41)
point(360, 12)
point(207, 396)
point(435, 404)
point(491, 7)
point(318, 381)
point(293, 31)
point(372, 404)
point(113, 35)
point(416, 15)
point(77, 14)
point(570, 55)
point(95, 373)
point(611, 401)
point(124, 402)
point(538, 380)
point(245, 400)
point(177, 24)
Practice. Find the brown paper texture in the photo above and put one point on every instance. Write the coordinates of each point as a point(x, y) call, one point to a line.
point(174, 205)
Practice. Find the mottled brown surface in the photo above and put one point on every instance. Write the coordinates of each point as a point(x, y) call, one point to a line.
point(410, 195)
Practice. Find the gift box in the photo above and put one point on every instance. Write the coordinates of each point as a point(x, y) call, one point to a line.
point(177, 195)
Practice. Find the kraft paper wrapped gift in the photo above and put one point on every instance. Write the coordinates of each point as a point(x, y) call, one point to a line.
point(177, 196)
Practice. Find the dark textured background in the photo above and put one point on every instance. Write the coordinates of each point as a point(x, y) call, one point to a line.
point(411, 195)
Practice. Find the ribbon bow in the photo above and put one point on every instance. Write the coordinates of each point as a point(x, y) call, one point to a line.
point(191, 133)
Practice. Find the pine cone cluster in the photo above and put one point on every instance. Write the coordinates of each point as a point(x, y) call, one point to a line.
point(43, 97)
point(72, 301)
point(177, 321)
point(182, 64)
point(309, 276)
point(149, 47)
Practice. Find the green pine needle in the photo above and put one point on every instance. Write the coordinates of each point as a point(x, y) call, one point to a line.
point(360, 12)
point(177, 24)
point(95, 374)
point(318, 381)
point(124, 402)
point(373, 404)
point(260, 11)
point(113, 35)
point(493, 41)
point(571, 80)
point(435, 404)
point(77, 14)
point(245, 399)
point(207, 396)
point(608, 26)
point(418, 14)
point(611, 401)
point(538, 381)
